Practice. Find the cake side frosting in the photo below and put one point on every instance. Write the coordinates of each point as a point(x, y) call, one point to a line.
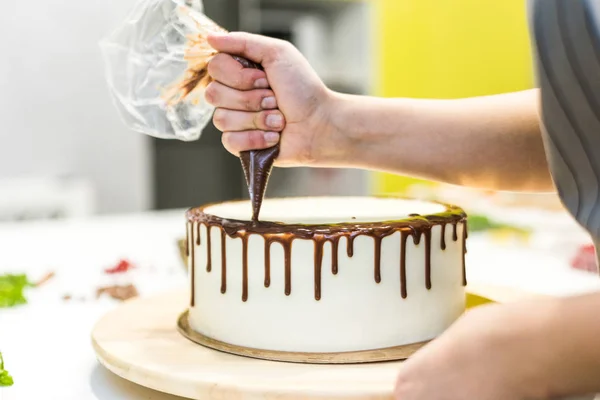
point(279, 286)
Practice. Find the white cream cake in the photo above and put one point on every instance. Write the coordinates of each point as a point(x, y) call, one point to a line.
point(326, 274)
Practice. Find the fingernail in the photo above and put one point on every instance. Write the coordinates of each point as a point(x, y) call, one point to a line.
point(271, 138)
point(261, 83)
point(269, 103)
point(274, 120)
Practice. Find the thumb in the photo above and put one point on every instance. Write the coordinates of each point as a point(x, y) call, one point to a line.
point(257, 48)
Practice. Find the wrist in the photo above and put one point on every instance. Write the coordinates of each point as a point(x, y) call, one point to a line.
point(341, 137)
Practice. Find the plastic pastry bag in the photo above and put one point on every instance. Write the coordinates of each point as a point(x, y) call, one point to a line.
point(156, 68)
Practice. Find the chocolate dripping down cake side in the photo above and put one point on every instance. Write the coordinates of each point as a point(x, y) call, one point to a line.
point(325, 274)
point(311, 276)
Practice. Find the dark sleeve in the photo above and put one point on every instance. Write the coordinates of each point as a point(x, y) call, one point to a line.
point(566, 42)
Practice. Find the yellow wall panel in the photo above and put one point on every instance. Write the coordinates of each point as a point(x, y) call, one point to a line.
point(449, 49)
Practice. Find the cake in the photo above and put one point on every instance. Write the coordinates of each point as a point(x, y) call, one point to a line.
point(325, 275)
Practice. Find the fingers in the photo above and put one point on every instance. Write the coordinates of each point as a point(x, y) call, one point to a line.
point(260, 49)
point(221, 96)
point(235, 142)
point(246, 109)
point(225, 69)
point(236, 121)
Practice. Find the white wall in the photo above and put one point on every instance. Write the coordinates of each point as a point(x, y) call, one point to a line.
point(56, 116)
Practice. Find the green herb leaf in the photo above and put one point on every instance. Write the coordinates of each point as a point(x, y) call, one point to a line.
point(5, 378)
point(12, 290)
point(478, 223)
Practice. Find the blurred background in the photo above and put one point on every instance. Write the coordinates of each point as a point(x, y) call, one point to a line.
point(66, 153)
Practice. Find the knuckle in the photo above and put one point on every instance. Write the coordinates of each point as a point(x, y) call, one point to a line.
point(286, 46)
point(249, 76)
point(255, 140)
point(252, 100)
point(239, 81)
point(215, 65)
point(249, 103)
point(211, 94)
point(227, 143)
point(220, 119)
point(259, 120)
point(280, 49)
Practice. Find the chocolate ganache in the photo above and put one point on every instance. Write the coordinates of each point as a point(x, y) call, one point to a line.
point(416, 226)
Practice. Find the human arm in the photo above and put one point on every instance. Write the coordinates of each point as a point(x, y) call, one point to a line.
point(491, 142)
point(536, 349)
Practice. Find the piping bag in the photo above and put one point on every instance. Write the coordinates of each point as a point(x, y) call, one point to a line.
point(156, 66)
point(257, 164)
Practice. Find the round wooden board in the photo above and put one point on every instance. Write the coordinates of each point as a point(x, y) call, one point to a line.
point(139, 341)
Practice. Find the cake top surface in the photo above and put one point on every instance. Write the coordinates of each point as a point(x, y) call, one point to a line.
point(329, 213)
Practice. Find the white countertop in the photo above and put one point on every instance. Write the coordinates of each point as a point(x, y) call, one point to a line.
point(46, 343)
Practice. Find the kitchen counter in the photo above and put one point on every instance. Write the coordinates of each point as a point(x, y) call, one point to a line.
point(46, 343)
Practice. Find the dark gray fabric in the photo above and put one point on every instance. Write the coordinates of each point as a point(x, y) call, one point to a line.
point(566, 41)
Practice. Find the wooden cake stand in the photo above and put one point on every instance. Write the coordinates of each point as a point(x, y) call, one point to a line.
point(140, 342)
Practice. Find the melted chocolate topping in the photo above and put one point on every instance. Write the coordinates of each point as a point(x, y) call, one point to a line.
point(257, 164)
point(191, 252)
point(284, 234)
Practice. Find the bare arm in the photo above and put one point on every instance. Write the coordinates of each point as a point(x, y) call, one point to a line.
point(574, 365)
point(544, 348)
point(491, 142)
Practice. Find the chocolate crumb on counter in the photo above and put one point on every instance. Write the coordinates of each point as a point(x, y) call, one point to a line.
point(124, 292)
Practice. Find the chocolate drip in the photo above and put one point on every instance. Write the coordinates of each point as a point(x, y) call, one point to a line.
point(416, 237)
point(403, 237)
point(319, 242)
point(427, 234)
point(377, 269)
point(223, 262)
point(268, 243)
point(334, 254)
point(257, 164)
point(443, 237)
point(198, 235)
point(187, 239)
point(350, 244)
point(244, 267)
point(287, 254)
point(208, 250)
point(272, 232)
point(192, 265)
point(286, 242)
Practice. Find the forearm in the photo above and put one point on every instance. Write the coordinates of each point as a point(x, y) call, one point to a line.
point(491, 142)
point(570, 342)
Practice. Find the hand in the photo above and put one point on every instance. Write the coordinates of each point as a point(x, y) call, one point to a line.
point(492, 353)
point(256, 109)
